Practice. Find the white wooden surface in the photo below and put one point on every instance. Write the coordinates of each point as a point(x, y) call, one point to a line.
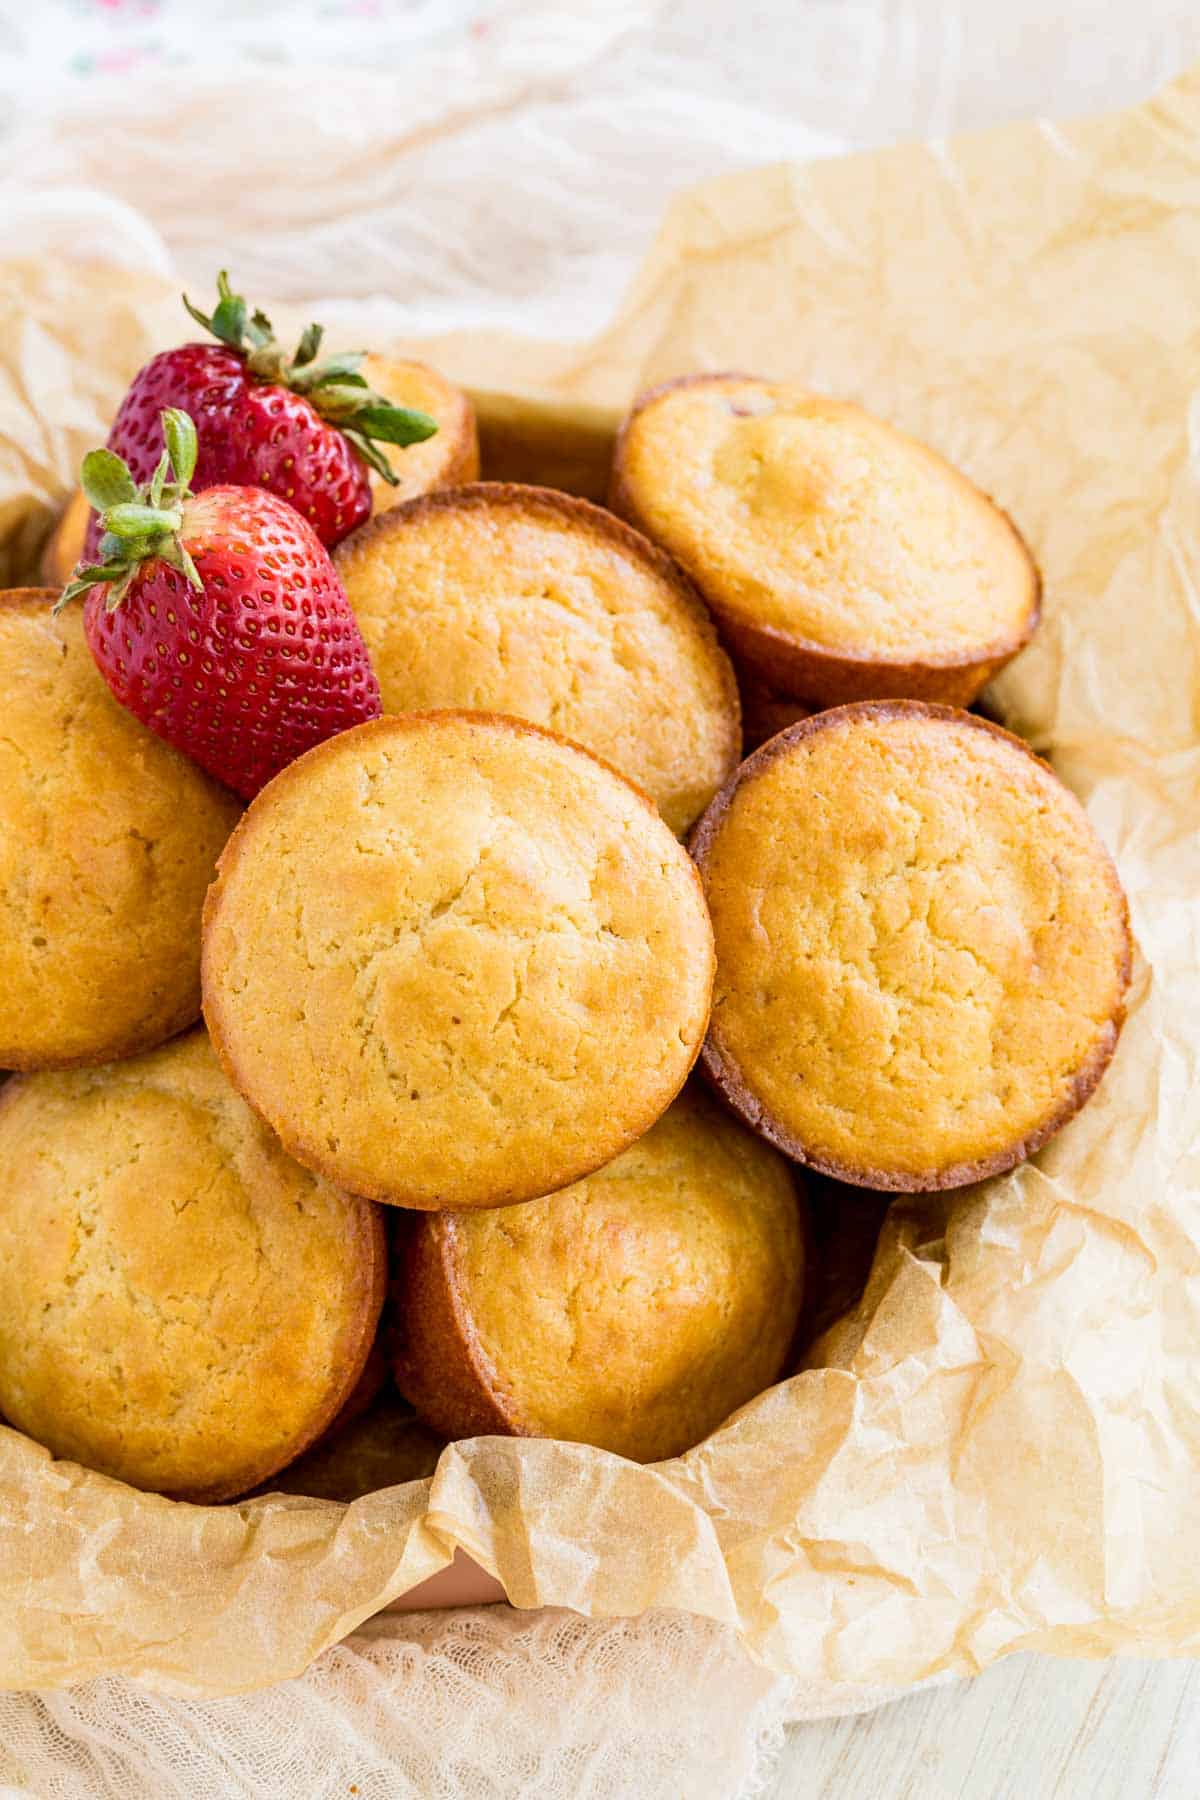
point(1029, 1729)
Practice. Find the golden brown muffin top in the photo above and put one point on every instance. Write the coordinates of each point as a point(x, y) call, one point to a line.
point(181, 1305)
point(455, 961)
point(450, 456)
point(108, 840)
point(810, 516)
point(525, 601)
point(640, 1307)
point(922, 947)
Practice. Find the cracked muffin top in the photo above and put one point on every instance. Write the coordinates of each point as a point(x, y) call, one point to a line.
point(922, 947)
point(181, 1305)
point(525, 601)
point(843, 560)
point(455, 960)
point(635, 1310)
point(108, 840)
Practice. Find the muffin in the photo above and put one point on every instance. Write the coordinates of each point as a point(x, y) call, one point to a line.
point(444, 460)
point(922, 947)
point(181, 1305)
point(449, 457)
point(453, 960)
point(108, 840)
point(384, 1447)
point(64, 546)
point(525, 601)
point(635, 1310)
point(843, 560)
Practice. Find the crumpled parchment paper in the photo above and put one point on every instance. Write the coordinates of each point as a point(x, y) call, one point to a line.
point(999, 1448)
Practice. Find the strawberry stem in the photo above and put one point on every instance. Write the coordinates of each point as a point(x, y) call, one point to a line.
point(138, 523)
point(333, 385)
point(183, 446)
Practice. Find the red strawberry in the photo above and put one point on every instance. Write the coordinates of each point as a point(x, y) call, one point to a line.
point(218, 617)
point(303, 428)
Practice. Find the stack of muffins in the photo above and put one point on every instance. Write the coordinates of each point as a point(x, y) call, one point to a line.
point(456, 965)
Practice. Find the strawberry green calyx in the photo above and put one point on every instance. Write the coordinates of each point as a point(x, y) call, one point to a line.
point(332, 384)
point(139, 522)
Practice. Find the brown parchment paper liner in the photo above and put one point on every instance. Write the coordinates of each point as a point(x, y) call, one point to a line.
point(1001, 1448)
